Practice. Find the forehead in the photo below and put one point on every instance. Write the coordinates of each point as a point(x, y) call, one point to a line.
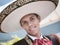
point(28, 16)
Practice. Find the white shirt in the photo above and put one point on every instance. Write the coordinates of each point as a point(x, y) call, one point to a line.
point(33, 38)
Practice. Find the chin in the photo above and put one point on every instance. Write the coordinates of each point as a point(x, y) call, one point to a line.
point(34, 34)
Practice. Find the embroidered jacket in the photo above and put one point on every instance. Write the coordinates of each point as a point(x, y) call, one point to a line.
point(28, 41)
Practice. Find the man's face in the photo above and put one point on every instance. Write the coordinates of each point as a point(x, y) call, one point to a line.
point(31, 24)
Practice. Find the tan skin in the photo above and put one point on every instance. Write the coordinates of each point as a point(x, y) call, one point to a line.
point(31, 25)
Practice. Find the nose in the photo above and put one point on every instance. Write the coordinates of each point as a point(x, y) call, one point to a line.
point(30, 24)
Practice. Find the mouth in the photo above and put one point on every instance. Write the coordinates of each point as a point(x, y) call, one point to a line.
point(32, 28)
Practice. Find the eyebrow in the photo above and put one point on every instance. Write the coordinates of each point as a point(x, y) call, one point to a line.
point(23, 21)
point(32, 16)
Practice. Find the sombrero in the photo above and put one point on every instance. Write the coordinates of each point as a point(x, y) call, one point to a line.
point(11, 22)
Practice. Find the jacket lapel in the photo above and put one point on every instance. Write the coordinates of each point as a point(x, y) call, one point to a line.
point(28, 40)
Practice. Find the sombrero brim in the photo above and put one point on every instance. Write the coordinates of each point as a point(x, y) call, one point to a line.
point(11, 22)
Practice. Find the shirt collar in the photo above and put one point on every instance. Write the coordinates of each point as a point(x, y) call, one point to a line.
point(33, 38)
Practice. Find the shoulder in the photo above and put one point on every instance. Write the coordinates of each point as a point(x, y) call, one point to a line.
point(21, 42)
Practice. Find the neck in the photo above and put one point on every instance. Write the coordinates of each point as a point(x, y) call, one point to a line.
point(37, 35)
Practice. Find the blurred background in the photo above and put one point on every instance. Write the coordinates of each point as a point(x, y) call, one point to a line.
point(50, 25)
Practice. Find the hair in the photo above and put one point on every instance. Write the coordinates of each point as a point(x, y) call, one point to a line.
point(31, 14)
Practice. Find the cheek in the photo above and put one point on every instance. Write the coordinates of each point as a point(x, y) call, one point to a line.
point(37, 23)
point(25, 28)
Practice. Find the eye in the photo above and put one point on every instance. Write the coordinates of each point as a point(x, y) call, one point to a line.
point(24, 23)
point(32, 19)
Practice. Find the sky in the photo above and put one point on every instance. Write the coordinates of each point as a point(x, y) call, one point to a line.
point(2, 2)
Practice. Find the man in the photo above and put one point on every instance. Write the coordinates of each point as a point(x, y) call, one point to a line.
point(29, 18)
point(30, 23)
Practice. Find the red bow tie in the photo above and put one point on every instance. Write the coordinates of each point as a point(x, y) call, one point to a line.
point(42, 42)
